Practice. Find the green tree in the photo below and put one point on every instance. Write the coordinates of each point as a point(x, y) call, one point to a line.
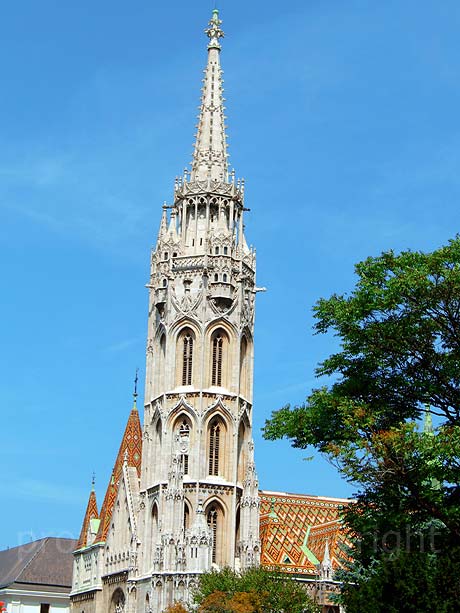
point(255, 590)
point(398, 364)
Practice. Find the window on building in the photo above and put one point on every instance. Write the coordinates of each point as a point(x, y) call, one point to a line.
point(214, 446)
point(44, 608)
point(225, 250)
point(117, 604)
point(217, 358)
point(212, 523)
point(187, 357)
point(244, 367)
point(224, 277)
point(161, 364)
point(216, 251)
point(184, 440)
point(186, 516)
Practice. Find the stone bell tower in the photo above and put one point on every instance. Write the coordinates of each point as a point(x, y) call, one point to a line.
point(199, 504)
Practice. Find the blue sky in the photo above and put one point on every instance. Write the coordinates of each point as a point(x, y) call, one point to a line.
point(343, 118)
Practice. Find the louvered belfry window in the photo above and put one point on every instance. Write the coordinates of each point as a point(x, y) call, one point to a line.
point(212, 523)
point(217, 355)
point(187, 359)
point(214, 447)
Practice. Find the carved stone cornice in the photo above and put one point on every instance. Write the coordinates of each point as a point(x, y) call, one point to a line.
point(209, 188)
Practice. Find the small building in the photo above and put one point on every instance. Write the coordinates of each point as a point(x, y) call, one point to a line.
point(37, 577)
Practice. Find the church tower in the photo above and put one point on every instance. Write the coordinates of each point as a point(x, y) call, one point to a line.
point(199, 492)
point(183, 496)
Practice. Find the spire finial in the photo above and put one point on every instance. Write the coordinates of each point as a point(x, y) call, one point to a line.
point(214, 31)
point(93, 481)
point(135, 394)
point(210, 157)
point(272, 513)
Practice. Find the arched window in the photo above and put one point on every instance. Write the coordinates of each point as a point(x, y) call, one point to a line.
point(217, 359)
point(153, 534)
point(216, 278)
point(225, 250)
point(244, 363)
point(215, 434)
point(184, 443)
point(224, 277)
point(216, 251)
point(154, 518)
point(241, 455)
point(161, 366)
point(184, 357)
point(186, 516)
point(220, 360)
point(212, 523)
point(165, 282)
point(117, 604)
point(215, 520)
point(187, 358)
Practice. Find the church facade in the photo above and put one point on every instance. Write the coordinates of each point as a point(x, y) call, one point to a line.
point(184, 496)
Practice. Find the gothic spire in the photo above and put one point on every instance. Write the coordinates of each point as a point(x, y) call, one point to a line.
point(90, 521)
point(131, 450)
point(164, 223)
point(210, 155)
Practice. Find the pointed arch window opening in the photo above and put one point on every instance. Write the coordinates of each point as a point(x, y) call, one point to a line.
point(217, 358)
point(186, 517)
point(184, 437)
point(212, 523)
point(161, 364)
point(214, 448)
point(187, 359)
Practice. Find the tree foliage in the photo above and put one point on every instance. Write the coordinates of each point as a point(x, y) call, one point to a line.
point(255, 590)
point(177, 607)
point(398, 364)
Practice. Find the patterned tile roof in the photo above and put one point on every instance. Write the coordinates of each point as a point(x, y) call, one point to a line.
point(91, 513)
point(131, 448)
point(294, 530)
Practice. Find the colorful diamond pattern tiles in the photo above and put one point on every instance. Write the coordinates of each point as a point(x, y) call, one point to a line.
point(131, 448)
point(294, 530)
point(91, 514)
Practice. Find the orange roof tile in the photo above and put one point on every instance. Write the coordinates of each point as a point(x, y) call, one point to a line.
point(131, 445)
point(91, 513)
point(294, 529)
